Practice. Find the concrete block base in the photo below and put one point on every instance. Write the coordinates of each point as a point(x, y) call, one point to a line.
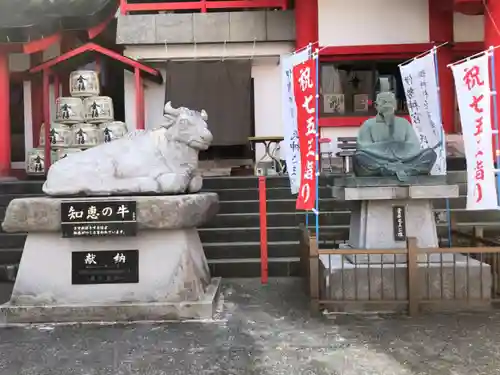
point(457, 280)
point(173, 283)
point(204, 308)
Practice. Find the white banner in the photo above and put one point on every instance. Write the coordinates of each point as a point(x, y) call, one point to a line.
point(422, 97)
point(473, 96)
point(289, 116)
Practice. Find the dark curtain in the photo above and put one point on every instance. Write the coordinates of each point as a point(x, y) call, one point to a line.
point(221, 88)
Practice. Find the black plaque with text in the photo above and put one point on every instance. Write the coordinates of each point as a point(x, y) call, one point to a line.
point(399, 223)
point(105, 267)
point(98, 218)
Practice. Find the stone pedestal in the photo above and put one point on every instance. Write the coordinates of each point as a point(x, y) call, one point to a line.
point(372, 217)
point(174, 280)
point(441, 277)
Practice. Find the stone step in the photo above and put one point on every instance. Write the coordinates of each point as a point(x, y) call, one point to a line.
point(246, 234)
point(21, 187)
point(277, 267)
point(250, 250)
point(11, 241)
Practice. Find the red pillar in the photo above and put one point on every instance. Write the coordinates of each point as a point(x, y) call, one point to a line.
point(46, 117)
point(492, 39)
point(139, 101)
point(4, 115)
point(306, 22)
point(441, 31)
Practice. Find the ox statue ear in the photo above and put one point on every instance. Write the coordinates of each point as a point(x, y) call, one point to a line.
point(169, 111)
point(204, 115)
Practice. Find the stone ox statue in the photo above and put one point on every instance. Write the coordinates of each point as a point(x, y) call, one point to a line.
point(163, 160)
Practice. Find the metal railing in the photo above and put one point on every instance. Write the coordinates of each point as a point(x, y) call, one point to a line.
point(408, 279)
point(203, 6)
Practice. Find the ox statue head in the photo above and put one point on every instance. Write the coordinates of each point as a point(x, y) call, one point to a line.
point(188, 126)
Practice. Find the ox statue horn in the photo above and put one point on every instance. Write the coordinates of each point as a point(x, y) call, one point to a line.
point(204, 115)
point(169, 110)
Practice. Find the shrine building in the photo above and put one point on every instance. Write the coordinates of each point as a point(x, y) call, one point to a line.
point(224, 56)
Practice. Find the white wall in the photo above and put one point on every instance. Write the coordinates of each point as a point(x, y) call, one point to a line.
point(468, 28)
point(154, 98)
point(371, 22)
point(267, 101)
point(338, 131)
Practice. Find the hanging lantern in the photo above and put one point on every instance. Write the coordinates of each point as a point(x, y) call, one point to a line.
point(84, 83)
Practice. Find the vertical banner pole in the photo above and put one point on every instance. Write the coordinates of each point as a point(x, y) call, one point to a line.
point(495, 119)
point(310, 56)
point(443, 142)
point(318, 154)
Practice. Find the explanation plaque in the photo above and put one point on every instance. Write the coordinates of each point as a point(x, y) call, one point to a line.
point(98, 218)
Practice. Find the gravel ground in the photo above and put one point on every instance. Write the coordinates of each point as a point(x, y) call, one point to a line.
point(260, 330)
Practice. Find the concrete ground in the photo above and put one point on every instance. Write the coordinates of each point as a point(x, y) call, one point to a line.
point(260, 330)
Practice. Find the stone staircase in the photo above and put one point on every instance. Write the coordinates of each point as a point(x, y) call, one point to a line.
point(232, 239)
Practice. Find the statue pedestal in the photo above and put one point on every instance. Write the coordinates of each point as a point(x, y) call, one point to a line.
point(382, 218)
point(160, 273)
point(379, 212)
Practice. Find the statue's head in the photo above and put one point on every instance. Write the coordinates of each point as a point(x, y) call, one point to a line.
point(386, 104)
point(187, 126)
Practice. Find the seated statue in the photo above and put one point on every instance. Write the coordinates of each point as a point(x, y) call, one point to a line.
point(388, 145)
point(162, 160)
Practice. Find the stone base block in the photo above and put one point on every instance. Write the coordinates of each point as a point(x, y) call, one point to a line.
point(204, 308)
point(372, 227)
point(173, 272)
point(455, 280)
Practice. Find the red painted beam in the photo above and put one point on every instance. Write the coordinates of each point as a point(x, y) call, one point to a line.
point(201, 5)
point(41, 44)
point(380, 49)
point(96, 48)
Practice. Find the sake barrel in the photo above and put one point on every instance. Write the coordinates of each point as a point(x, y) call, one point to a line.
point(98, 109)
point(113, 130)
point(64, 152)
point(60, 135)
point(86, 135)
point(69, 110)
point(35, 161)
point(84, 83)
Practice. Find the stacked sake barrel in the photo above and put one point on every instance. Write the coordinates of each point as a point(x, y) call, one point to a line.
point(82, 121)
